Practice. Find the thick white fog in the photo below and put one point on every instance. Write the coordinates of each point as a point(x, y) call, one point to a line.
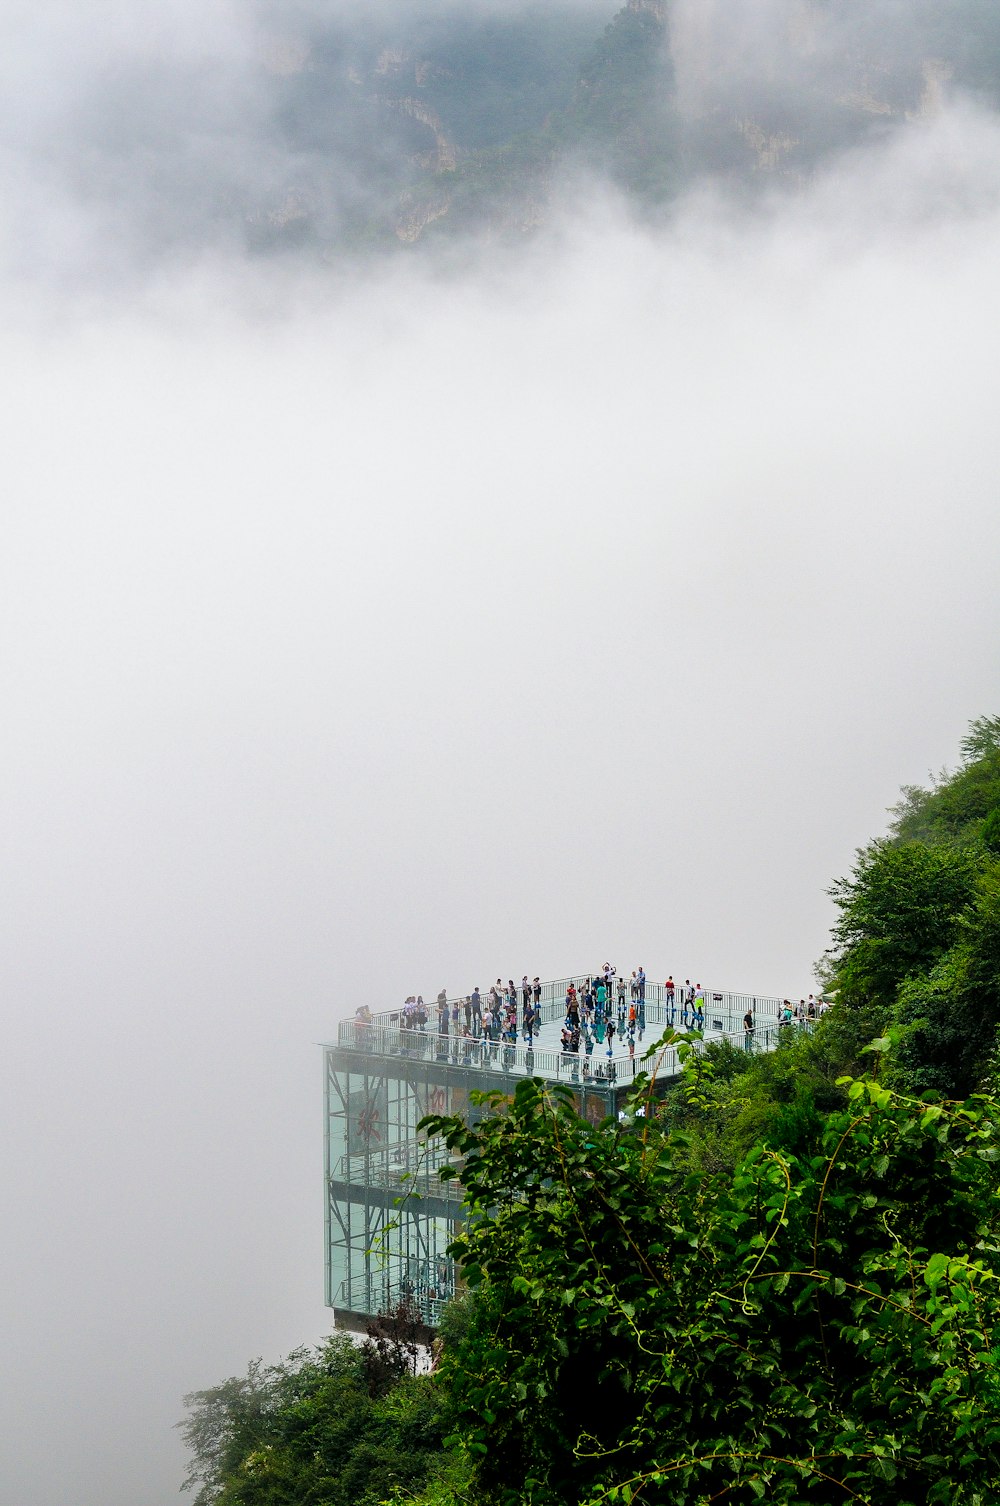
point(373, 632)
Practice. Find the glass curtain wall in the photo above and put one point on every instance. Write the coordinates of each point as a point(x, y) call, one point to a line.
point(389, 1216)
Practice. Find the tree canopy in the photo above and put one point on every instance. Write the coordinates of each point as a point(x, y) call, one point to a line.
point(343, 1424)
point(917, 942)
point(815, 1325)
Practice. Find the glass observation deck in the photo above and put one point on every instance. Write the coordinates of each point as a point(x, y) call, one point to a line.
point(389, 1216)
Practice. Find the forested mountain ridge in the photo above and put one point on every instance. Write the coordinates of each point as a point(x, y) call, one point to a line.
point(401, 125)
point(340, 129)
point(781, 1282)
point(462, 118)
point(917, 944)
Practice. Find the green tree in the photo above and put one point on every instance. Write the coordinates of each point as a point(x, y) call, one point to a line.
point(227, 1422)
point(982, 739)
point(812, 1327)
point(991, 832)
point(900, 911)
point(622, 114)
point(916, 942)
point(949, 1016)
point(342, 1425)
point(741, 1101)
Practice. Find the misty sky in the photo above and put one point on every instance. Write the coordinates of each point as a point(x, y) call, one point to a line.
point(372, 630)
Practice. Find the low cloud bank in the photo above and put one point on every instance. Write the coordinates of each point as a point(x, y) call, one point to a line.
point(377, 629)
point(139, 140)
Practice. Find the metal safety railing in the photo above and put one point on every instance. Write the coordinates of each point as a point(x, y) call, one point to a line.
point(723, 1008)
point(510, 1059)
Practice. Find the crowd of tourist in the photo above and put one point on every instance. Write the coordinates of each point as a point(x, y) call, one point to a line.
point(493, 1014)
point(800, 1013)
point(602, 1008)
point(484, 1027)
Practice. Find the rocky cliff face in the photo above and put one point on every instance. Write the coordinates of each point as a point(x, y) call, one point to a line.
point(784, 82)
point(445, 156)
point(464, 119)
point(655, 8)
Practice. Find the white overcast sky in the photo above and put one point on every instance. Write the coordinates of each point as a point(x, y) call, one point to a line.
point(372, 634)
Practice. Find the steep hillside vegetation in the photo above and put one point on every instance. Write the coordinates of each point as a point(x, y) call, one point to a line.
point(781, 1282)
point(397, 124)
point(917, 945)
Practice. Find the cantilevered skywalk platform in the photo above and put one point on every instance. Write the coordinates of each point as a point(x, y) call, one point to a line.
point(389, 1216)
